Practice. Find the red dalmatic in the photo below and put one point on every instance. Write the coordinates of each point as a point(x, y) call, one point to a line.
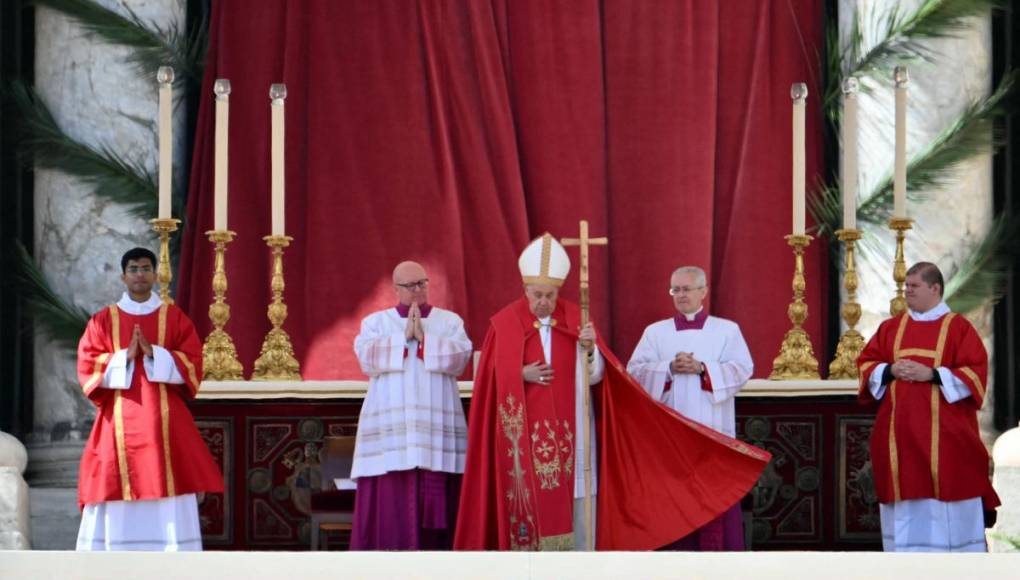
point(144, 443)
point(922, 446)
point(661, 475)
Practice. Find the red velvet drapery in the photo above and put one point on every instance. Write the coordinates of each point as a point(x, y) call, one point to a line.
point(453, 132)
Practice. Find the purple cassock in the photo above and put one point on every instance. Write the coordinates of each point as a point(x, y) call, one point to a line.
point(406, 510)
point(414, 509)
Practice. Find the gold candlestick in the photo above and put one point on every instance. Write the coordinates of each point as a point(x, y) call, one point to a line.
point(164, 227)
point(844, 365)
point(219, 357)
point(796, 358)
point(898, 305)
point(276, 362)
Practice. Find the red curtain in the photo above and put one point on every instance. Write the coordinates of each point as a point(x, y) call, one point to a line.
point(453, 132)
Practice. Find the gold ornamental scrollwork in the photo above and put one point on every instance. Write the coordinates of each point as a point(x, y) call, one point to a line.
point(851, 343)
point(219, 357)
point(164, 227)
point(276, 361)
point(796, 358)
point(900, 225)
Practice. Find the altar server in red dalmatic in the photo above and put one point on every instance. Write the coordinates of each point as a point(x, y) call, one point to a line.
point(144, 461)
point(928, 370)
point(658, 475)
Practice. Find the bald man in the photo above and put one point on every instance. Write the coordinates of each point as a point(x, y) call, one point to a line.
point(412, 437)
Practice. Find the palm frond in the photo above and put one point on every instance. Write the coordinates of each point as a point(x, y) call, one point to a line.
point(901, 41)
point(972, 133)
point(983, 274)
point(61, 320)
point(153, 45)
point(904, 32)
point(41, 142)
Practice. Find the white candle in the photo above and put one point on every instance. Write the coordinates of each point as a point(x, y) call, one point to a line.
point(799, 93)
point(165, 77)
point(849, 173)
point(222, 90)
point(900, 176)
point(277, 93)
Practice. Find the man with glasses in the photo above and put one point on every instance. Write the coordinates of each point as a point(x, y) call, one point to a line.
point(696, 364)
point(409, 453)
point(144, 462)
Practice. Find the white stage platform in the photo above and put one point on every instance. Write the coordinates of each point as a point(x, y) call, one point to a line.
point(24, 565)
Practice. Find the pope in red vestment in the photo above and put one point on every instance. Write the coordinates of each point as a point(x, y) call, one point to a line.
point(144, 443)
point(660, 475)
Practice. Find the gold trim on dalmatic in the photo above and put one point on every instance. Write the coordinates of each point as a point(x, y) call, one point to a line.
point(191, 368)
point(936, 402)
point(118, 430)
point(118, 414)
point(164, 410)
point(974, 377)
point(115, 326)
point(943, 333)
point(894, 458)
point(935, 439)
point(916, 352)
point(97, 373)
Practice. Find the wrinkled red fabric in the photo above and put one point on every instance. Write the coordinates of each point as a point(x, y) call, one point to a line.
point(661, 476)
point(453, 133)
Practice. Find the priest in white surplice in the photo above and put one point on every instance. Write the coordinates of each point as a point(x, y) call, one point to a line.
point(696, 364)
point(412, 436)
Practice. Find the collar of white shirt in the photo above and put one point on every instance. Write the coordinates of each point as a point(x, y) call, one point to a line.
point(139, 308)
point(934, 314)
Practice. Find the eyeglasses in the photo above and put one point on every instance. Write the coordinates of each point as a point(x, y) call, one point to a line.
point(676, 291)
point(419, 285)
point(139, 269)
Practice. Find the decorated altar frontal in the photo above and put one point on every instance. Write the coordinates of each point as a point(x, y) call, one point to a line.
point(268, 436)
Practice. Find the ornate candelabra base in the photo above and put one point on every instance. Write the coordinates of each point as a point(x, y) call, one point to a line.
point(844, 365)
point(796, 358)
point(898, 305)
point(164, 227)
point(219, 357)
point(276, 361)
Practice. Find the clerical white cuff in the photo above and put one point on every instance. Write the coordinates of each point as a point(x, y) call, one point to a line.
point(118, 371)
point(875, 381)
point(161, 368)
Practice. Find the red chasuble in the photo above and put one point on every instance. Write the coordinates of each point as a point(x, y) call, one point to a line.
point(661, 476)
point(922, 446)
point(144, 443)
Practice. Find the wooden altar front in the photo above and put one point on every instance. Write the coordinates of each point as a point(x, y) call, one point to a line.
point(816, 494)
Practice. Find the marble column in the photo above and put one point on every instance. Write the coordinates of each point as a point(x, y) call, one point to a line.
point(98, 98)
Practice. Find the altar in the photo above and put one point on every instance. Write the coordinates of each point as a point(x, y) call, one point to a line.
point(816, 494)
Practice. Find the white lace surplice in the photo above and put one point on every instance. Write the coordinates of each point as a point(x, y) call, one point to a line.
point(412, 416)
point(719, 345)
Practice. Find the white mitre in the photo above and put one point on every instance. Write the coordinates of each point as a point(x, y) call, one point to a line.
point(544, 261)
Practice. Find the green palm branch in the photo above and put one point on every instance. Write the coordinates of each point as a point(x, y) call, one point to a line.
point(42, 143)
point(983, 274)
point(152, 45)
point(61, 320)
